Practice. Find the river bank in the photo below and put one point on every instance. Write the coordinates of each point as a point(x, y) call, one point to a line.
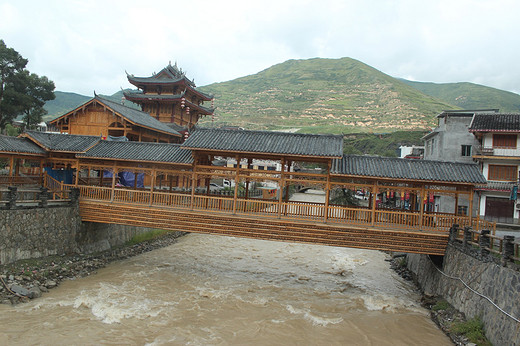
point(445, 316)
point(28, 279)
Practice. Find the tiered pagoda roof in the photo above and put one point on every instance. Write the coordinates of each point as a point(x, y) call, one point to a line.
point(170, 75)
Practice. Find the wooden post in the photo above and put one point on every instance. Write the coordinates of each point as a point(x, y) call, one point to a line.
point(152, 185)
point(327, 193)
point(282, 185)
point(193, 181)
point(112, 190)
point(249, 166)
point(470, 211)
point(456, 203)
point(11, 164)
point(374, 203)
point(421, 206)
point(237, 170)
point(78, 170)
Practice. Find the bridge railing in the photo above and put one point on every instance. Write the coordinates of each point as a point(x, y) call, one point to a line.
point(257, 207)
point(352, 215)
point(300, 210)
point(178, 200)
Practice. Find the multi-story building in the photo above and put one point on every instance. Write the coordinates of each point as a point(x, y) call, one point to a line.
point(499, 155)
point(450, 140)
point(170, 97)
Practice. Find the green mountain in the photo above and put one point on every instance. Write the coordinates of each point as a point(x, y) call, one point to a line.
point(322, 96)
point(470, 96)
point(329, 96)
point(63, 103)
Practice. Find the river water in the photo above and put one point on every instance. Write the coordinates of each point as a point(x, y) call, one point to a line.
point(215, 290)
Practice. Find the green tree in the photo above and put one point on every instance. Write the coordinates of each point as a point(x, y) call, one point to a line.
point(21, 92)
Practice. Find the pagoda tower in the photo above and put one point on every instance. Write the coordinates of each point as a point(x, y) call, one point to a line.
point(170, 97)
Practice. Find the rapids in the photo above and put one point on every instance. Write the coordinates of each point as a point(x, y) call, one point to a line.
point(215, 290)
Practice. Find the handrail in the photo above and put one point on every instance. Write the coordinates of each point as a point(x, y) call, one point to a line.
point(305, 210)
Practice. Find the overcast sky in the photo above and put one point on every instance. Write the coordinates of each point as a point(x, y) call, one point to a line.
point(87, 45)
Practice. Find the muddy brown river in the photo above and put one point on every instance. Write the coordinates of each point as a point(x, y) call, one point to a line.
point(214, 290)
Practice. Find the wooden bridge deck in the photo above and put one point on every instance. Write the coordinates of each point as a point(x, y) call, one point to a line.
point(253, 218)
point(426, 242)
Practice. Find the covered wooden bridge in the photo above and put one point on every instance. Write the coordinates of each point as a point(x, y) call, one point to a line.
point(245, 183)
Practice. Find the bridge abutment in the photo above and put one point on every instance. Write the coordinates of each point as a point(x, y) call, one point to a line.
point(498, 283)
point(36, 232)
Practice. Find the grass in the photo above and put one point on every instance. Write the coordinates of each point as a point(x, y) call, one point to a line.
point(473, 330)
point(441, 305)
point(139, 238)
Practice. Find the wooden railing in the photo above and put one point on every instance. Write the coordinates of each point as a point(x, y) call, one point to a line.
point(300, 210)
point(20, 180)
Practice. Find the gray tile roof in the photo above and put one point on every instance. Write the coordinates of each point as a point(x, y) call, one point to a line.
point(406, 169)
point(24, 146)
point(504, 122)
point(266, 142)
point(62, 142)
point(138, 117)
point(138, 94)
point(139, 151)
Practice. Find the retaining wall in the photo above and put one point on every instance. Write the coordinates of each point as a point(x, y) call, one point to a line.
point(500, 284)
point(35, 232)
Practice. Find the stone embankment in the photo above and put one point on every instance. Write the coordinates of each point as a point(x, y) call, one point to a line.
point(28, 279)
point(444, 318)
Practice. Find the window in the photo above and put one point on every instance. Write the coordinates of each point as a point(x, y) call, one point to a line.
point(502, 173)
point(466, 150)
point(504, 141)
point(462, 210)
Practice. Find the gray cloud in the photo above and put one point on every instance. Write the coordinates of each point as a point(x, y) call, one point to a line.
point(86, 46)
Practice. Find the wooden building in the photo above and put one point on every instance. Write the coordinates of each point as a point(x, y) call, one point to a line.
point(175, 191)
point(103, 118)
point(170, 97)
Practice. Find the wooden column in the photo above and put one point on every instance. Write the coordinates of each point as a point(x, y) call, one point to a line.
point(11, 166)
point(282, 185)
point(152, 185)
point(237, 180)
point(374, 203)
point(78, 170)
point(112, 192)
point(470, 211)
point(249, 166)
point(327, 193)
point(193, 180)
point(421, 206)
point(286, 194)
point(456, 212)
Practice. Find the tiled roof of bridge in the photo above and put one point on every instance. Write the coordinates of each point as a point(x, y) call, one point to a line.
point(62, 142)
point(504, 122)
point(266, 142)
point(139, 151)
point(17, 145)
point(407, 169)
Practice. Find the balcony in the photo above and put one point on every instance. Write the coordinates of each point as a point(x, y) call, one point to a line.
point(505, 186)
point(497, 151)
